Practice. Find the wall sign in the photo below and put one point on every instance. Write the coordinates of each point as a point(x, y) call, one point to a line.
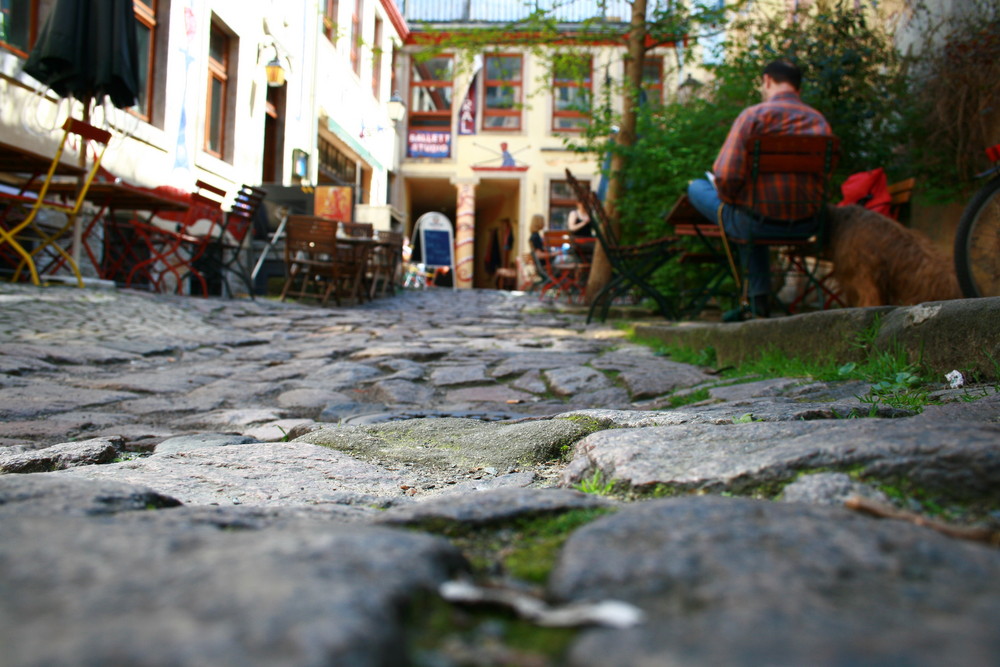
point(422, 143)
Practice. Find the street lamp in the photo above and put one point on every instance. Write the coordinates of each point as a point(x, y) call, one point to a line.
point(275, 73)
point(396, 107)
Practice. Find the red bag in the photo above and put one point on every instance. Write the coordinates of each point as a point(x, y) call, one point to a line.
point(869, 189)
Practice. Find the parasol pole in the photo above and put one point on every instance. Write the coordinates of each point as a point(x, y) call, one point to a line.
point(80, 183)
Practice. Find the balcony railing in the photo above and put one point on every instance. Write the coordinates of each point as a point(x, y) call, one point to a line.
point(506, 11)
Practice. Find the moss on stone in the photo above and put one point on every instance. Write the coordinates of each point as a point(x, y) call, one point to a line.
point(525, 548)
point(440, 633)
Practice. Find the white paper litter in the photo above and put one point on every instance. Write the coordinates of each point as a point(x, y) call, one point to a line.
point(610, 613)
point(955, 379)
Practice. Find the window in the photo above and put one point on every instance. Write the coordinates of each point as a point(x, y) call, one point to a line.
point(145, 16)
point(502, 92)
point(377, 60)
point(330, 9)
point(20, 21)
point(335, 166)
point(572, 82)
point(652, 78)
point(431, 89)
point(356, 37)
point(561, 202)
point(218, 90)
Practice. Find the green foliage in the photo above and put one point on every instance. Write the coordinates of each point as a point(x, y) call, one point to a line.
point(951, 115)
point(680, 400)
point(747, 418)
point(596, 484)
point(852, 72)
point(532, 556)
point(439, 633)
point(896, 381)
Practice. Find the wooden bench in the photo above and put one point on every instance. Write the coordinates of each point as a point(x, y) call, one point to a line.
point(901, 193)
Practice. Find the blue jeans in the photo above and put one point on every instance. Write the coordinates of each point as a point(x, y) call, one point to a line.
point(741, 225)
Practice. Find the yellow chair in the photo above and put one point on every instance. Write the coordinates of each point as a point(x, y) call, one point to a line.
point(28, 229)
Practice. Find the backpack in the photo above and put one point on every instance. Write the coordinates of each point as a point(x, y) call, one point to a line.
point(869, 189)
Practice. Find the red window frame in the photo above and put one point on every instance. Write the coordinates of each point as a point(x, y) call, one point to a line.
point(216, 106)
point(652, 78)
point(440, 119)
point(564, 81)
point(377, 60)
point(356, 37)
point(330, 9)
point(145, 15)
point(562, 202)
point(502, 112)
point(33, 25)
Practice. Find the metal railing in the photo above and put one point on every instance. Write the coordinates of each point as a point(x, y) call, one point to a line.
point(505, 11)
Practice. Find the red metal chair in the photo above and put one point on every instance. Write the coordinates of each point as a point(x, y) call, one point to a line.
point(173, 245)
point(566, 269)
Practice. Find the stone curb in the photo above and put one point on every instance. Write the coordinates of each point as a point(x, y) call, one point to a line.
point(963, 334)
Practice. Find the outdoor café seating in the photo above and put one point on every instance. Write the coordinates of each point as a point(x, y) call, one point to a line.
point(385, 259)
point(161, 251)
point(632, 264)
point(804, 155)
point(321, 261)
point(227, 255)
point(565, 266)
point(30, 241)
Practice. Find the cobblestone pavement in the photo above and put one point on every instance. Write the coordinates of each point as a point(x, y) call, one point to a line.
point(79, 363)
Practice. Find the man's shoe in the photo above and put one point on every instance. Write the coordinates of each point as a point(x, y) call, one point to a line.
point(760, 307)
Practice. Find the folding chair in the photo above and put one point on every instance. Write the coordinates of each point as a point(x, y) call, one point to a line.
point(227, 251)
point(632, 265)
point(353, 252)
point(27, 230)
point(567, 270)
point(802, 157)
point(174, 244)
point(386, 258)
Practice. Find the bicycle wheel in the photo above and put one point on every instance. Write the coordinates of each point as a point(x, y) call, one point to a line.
point(977, 243)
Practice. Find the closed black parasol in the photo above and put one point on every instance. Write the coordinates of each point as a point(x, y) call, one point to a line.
point(88, 49)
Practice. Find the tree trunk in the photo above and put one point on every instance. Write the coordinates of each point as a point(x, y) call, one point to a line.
point(600, 271)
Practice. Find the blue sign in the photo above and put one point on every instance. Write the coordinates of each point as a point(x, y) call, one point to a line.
point(421, 143)
point(437, 240)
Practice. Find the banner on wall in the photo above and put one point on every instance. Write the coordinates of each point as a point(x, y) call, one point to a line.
point(467, 112)
point(335, 202)
point(423, 143)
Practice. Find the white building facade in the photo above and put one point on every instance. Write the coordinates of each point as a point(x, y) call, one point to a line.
point(206, 111)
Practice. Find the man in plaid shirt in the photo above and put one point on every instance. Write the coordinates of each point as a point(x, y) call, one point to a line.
point(781, 112)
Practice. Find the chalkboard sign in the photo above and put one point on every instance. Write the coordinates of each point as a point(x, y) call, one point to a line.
point(436, 240)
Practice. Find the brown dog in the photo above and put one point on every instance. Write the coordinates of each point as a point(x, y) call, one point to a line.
point(879, 262)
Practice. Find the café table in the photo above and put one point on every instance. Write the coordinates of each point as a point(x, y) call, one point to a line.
point(20, 166)
point(114, 201)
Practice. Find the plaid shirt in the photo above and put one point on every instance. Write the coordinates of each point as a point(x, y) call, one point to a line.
point(775, 194)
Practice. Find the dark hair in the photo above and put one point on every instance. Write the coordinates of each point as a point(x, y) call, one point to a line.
point(783, 71)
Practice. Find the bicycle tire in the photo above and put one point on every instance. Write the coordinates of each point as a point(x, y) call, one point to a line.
point(977, 243)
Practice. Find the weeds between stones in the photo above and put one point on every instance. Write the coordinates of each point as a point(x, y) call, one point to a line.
point(596, 485)
point(895, 380)
point(523, 550)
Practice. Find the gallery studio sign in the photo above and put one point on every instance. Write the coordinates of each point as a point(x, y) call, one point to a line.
point(421, 143)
